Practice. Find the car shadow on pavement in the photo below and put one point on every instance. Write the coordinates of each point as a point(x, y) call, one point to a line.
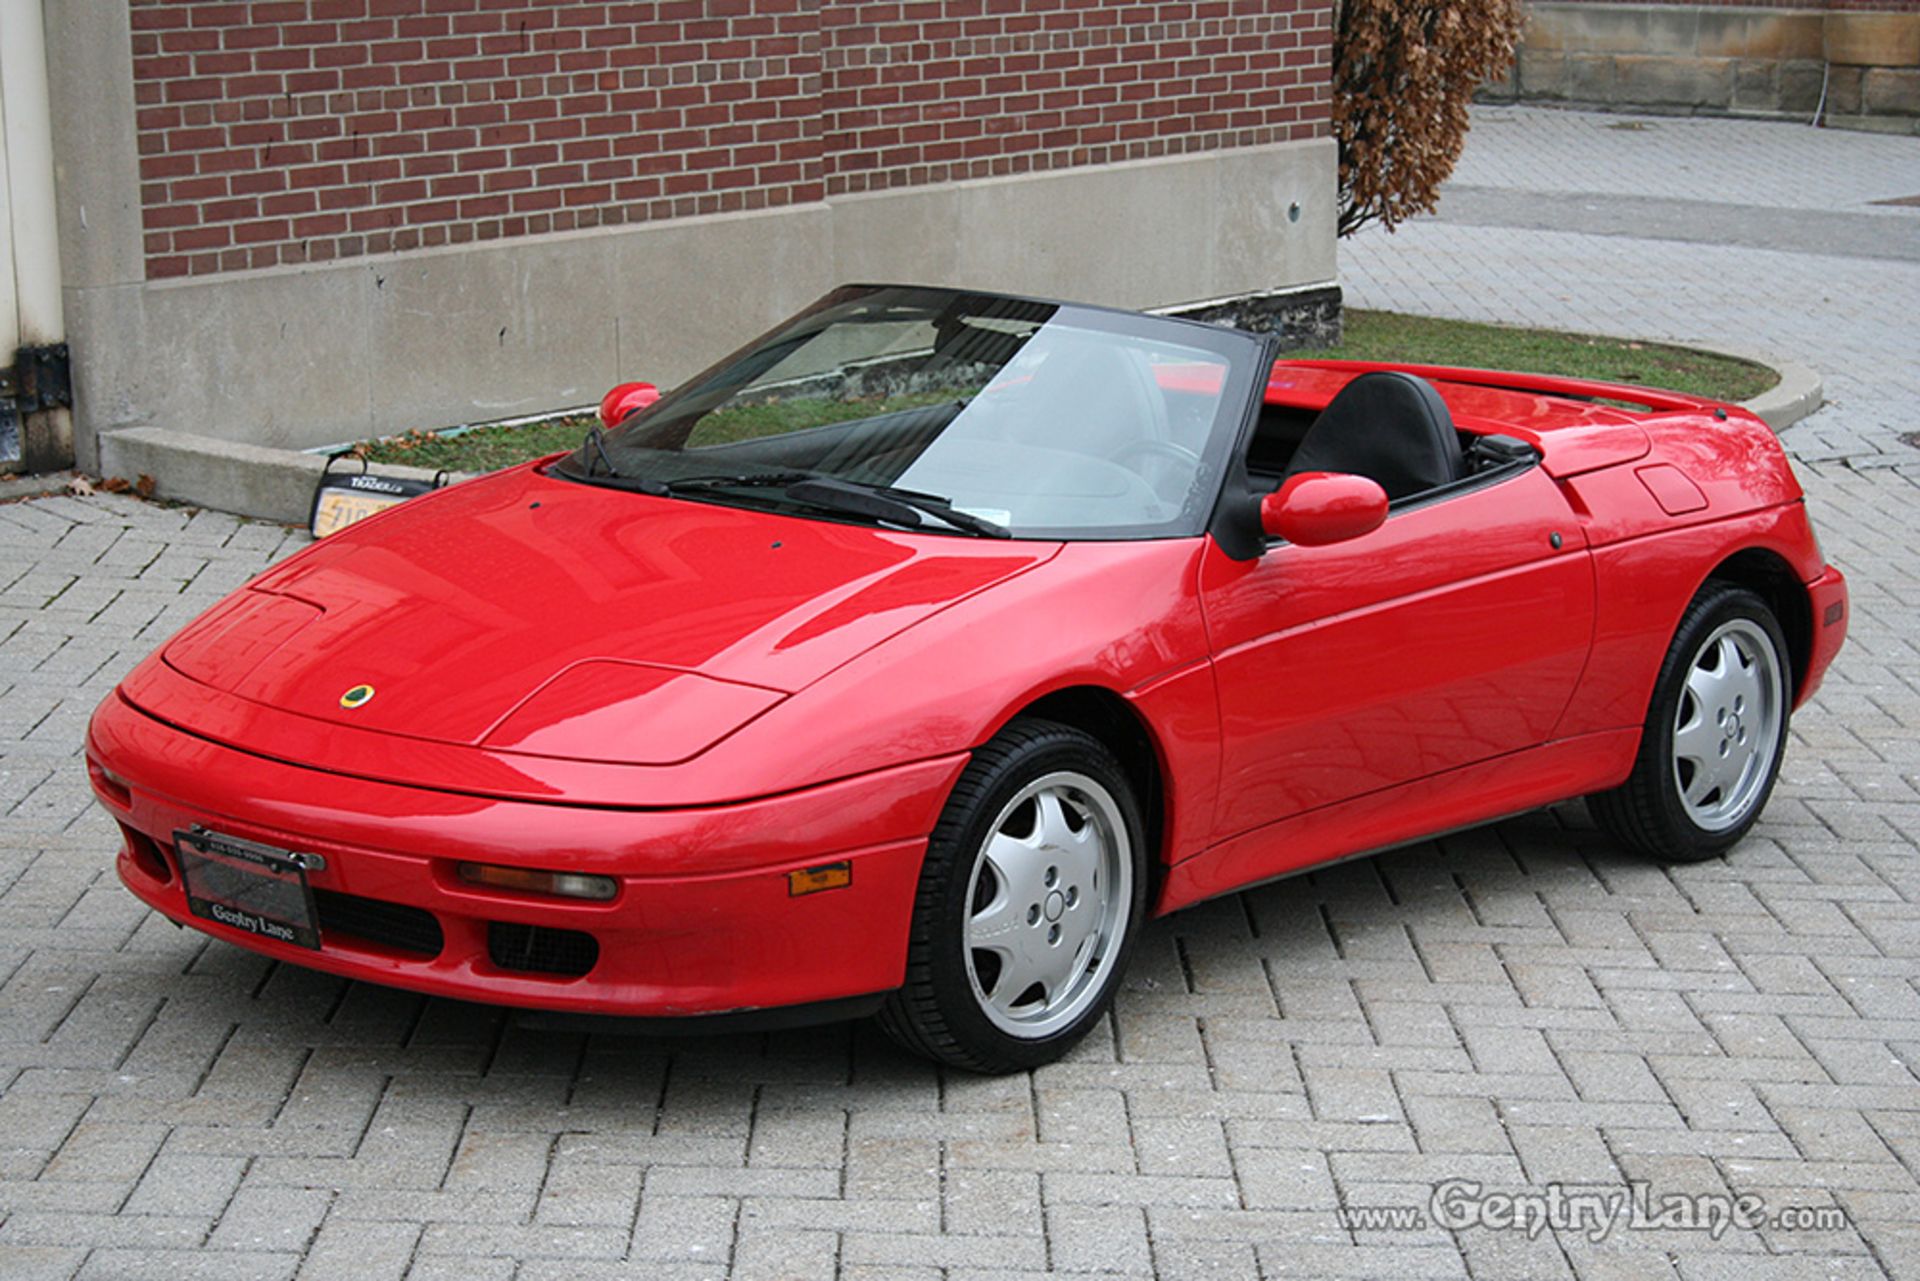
point(1383, 954)
point(1398, 955)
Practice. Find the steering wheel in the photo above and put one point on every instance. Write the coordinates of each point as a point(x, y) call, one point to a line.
point(1168, 468)
point(1156, 449)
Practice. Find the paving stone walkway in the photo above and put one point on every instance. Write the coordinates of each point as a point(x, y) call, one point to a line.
point(1521, 1007)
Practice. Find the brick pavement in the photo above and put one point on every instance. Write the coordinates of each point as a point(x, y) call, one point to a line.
point(1855, 318)
point(1515, 1005)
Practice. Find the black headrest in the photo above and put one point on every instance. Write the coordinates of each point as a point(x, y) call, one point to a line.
point(1389, 426)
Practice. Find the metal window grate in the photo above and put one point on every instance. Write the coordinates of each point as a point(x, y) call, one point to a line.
point(540, 949)
point(393, 925)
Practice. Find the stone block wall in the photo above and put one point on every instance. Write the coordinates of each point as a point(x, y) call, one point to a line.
point(1854, 62)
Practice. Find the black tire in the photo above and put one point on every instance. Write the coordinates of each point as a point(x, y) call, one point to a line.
point(951, 1008)
point(1702, 703)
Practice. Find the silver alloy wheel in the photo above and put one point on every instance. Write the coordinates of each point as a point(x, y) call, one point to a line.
point(1047, 905)
point(1731, 714)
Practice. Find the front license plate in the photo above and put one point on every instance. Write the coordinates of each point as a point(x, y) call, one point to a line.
point(247, 886)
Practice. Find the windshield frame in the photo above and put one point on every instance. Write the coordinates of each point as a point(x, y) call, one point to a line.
point(1245, 358)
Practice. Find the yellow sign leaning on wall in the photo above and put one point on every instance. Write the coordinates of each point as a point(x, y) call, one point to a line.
point(342, 499)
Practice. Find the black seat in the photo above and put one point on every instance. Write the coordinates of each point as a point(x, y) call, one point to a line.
point(1390, 427)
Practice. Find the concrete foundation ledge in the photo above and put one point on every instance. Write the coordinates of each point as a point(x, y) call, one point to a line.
point(278, 484)
point(247, 480)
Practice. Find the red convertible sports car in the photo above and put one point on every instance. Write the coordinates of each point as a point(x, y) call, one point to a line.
point(909, 659)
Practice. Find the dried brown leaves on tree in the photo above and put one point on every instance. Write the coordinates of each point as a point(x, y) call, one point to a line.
point(1403, 74)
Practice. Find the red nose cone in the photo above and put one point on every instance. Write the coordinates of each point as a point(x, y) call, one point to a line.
point(627, 398)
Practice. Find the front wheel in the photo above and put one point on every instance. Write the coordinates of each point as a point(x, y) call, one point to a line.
point(1031, 893)
point(1714, 735)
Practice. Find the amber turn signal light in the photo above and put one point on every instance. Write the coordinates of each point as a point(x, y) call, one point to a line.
point(827, 876)
point(110, 785)
point(529, 881)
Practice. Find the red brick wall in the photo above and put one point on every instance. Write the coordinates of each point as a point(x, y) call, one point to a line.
point(922, 93)
point(316, 129)
point(293, 131)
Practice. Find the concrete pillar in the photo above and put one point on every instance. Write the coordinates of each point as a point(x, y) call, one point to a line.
point(33, 252)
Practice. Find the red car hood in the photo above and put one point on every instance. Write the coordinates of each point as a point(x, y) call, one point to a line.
point(528, 614)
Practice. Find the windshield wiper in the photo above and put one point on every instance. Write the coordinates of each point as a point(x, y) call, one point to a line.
point(900, 506)
point(596, 442)
point(852, 497)
point(597, 439)
point(943, 508)
point(743, 480)
point(828, 493)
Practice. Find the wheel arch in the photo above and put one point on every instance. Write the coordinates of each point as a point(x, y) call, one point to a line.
point(1107, 716)
point(1767, 575)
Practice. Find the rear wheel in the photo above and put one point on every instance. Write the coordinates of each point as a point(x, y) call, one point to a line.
point(1031, 893)
point(1714, 735)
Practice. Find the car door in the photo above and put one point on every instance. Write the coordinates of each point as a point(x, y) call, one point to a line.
point(1452, 634)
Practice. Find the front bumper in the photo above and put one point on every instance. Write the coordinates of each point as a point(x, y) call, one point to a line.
point(1827, 597)
point(702, 921)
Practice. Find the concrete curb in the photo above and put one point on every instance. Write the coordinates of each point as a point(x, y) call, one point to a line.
point(278, 484)
point(1799, 392)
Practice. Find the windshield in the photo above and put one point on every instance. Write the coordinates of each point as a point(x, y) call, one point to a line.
point(955, 412)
